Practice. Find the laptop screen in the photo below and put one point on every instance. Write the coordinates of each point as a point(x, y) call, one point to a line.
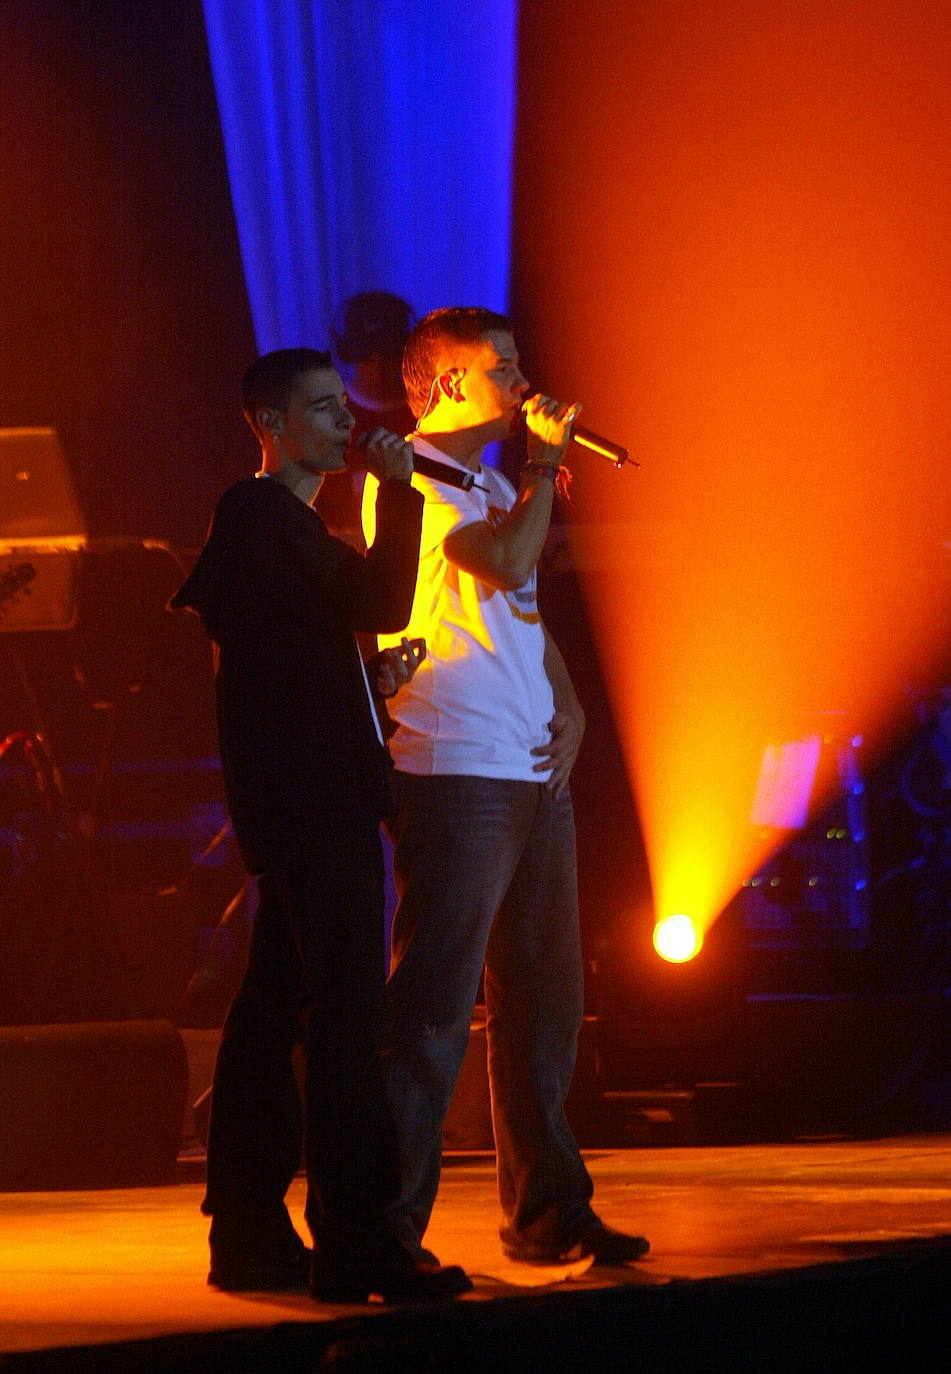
point(38, 504)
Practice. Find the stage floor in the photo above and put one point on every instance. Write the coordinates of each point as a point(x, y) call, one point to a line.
point(86, 1269)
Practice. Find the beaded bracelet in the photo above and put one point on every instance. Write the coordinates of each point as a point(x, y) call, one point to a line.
point(548, 470)
point(559, 476)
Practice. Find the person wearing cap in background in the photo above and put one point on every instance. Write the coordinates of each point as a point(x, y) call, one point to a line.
point(367, 340)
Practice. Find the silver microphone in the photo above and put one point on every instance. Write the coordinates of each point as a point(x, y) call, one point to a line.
point(606, 448)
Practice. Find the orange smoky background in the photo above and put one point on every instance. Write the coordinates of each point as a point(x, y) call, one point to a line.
point(732, 245)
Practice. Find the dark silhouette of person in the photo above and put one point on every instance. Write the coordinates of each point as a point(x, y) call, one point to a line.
point(367, 341)
point(305, 774)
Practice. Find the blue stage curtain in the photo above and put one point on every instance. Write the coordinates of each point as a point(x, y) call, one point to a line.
point(369, 147)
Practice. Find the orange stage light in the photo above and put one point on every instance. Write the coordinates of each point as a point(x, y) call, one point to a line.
point(771, 213)
point(677, 938)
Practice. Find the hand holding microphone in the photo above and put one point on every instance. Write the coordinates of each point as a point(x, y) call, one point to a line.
point(388, 456)
point(549, 428)
point(429, 467)
point(584, 438)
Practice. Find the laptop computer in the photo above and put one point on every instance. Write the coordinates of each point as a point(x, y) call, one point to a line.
point(42, 532)
point(38, 505)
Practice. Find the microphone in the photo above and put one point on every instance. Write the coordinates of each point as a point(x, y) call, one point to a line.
point(616, 453)
point(429, 467)
point(605, 448)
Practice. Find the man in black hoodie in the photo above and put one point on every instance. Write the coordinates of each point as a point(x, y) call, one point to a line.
point(305, 776)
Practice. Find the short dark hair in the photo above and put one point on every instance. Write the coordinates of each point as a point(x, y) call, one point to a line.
point(458, 323)
point(270, 379)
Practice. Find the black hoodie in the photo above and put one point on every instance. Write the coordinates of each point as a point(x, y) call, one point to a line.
point(282, 599)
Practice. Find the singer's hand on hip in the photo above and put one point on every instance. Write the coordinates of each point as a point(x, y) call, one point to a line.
point(387, 455)
point(549, 427)
point(560, 752)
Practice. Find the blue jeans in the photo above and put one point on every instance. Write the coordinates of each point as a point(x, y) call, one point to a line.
point(486, 876)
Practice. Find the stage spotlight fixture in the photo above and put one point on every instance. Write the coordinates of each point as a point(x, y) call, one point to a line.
point(677, 938)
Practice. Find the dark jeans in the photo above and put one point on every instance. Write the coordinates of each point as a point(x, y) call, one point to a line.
point(485, 871)
point(315, 972)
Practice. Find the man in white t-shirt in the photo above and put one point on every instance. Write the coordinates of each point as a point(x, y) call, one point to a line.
point(487, 734)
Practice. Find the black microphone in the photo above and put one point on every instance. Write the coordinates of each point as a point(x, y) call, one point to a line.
point(616, 453)
point(429, 467)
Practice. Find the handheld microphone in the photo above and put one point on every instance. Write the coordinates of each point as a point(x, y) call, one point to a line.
point(605, 448)
point(616, 453)
point(429, 467)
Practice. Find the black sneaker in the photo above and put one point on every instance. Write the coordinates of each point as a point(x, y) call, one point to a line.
point(260, 1273)
point(337, 1279)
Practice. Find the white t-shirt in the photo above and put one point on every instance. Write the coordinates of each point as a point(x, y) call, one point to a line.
point(481, 700)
